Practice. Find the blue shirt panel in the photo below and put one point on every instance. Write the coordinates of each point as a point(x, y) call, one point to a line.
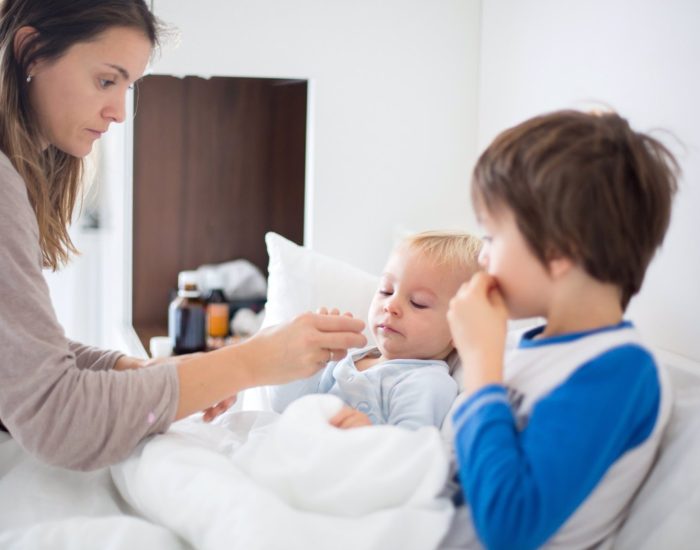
point(521, 486)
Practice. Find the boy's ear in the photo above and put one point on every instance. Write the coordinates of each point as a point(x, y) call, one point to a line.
point(560, 266)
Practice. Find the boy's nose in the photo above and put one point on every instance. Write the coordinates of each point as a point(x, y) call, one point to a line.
point(483, 258)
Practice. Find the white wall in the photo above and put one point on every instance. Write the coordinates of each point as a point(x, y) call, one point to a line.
point(640, 57)
point(92, 295)
point(75, 288)
point(396, 87)
point(116, 188)
point(391, 130)
point(392, 108)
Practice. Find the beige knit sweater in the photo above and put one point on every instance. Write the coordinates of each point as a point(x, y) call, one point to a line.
point(60, 400)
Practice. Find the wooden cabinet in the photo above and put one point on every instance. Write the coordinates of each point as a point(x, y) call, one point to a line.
point(217, 163)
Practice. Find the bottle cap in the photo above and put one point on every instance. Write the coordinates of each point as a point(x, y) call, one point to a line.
point(185, 278)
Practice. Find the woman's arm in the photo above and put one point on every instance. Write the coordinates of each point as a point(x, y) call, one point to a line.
point(89, 357)
point(275, 355)
point(85, 419)
point(126, 362)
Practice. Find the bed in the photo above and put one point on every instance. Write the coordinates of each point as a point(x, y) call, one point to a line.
point(255, 479)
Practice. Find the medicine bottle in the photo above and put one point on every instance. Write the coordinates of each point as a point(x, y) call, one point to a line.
point(217, 318)
point(217, 309)
point(187, 316)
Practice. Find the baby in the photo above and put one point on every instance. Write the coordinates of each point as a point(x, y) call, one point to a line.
point(405, 379)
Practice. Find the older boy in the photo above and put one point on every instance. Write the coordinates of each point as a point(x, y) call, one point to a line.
point(554, 441)
point(404, 380)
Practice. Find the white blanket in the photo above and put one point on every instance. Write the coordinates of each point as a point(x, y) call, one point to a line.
point(46, 507)
point(258, 480)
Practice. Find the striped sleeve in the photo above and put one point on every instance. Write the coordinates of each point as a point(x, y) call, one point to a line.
point(522, 486)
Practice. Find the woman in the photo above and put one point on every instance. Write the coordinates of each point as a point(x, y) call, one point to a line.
point(65, 68)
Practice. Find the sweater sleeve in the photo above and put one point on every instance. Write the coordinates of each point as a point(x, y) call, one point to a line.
point(523, 485)
point(89, 357)
point(63, 414)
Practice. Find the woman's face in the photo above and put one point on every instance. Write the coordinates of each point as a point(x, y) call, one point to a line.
point(78, 96)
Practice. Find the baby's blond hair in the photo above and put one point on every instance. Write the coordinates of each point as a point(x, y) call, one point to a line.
point(457, 249)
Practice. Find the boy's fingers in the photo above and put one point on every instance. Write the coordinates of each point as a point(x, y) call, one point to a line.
point(496, 298)
point(479, 286)
point(481, 283)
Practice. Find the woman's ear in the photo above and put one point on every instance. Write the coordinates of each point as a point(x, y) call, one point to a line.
point(23, 37)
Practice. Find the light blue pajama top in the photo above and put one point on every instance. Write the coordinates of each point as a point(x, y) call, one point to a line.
point(403, 392)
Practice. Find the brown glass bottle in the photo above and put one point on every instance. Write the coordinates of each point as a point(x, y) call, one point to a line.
point(187, 316)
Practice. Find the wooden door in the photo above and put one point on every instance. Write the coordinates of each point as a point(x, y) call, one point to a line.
point(217, 163)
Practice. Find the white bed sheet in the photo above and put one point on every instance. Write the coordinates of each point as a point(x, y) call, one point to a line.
point(261, 481)
point(46, 507)
point(251, 480)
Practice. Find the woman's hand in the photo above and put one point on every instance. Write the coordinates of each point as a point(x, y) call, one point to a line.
point(301, 347)
point(478, 320)
point(333, 311)
point(275, 355)
point(348, 418)
point(335, 354)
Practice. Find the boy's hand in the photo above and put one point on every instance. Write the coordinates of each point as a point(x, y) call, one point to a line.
point(348, 418)
point(477, 317)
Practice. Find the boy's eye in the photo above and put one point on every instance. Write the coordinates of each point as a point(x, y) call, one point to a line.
point(417, 305)
point(106, 83)
point(385, 292)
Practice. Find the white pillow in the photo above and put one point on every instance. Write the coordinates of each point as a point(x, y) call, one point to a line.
point(301, 279)
point(665, 513)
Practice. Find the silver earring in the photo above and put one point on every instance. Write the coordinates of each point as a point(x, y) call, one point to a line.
point(29, 78)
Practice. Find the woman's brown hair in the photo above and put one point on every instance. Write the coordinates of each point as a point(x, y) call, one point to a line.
point(583, 186)
point(53, 177)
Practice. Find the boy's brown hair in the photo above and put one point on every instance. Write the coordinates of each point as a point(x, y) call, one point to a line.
point(583, 186)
